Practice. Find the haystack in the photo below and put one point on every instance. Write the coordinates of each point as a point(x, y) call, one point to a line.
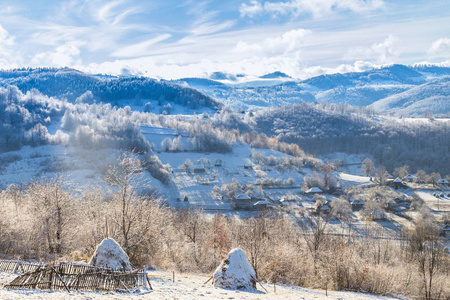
point(109, 254)
point(235, 272)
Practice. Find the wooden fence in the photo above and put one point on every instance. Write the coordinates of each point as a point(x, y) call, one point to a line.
point(80, 277)
point(17, 266)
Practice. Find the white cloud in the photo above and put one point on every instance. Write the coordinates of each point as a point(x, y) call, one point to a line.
point(140, 49)
point(255, 66)
point(252, 9)
point(382, 53)
point(291, 41)
point(8, 57)
point(440, 47)
point(63, 56)
point(112, 14)
point(316, 8)
point(5, 39)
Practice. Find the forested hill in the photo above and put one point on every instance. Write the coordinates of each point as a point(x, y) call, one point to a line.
point(72, 84)
point(392, 142)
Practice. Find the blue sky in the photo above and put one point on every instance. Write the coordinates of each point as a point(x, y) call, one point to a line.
point(173, 39)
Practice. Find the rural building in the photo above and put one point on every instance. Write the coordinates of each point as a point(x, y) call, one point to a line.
point(199, 169)
point(262, 204)
point(356, 203)
point(398, 183)
point(218, 163)
point(323, 208)
point(409, 178)
point(443, 182)
point(243, 201)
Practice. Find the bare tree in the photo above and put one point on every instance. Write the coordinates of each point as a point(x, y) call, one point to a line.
point(315, 235)
point(428, 251)
point(50, 206)
point(126, 176)
point(190, 224)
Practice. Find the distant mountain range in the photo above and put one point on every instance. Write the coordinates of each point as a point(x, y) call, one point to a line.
point(396, 89)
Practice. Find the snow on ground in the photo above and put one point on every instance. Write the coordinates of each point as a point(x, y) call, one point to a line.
point(351, 163)
point(198, 187)
point(438, 205)
point(186, 286)
point(79, 166)
point(346, 180)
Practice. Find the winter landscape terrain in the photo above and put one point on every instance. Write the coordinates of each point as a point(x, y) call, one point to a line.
point(276, 149)
point(197, 155)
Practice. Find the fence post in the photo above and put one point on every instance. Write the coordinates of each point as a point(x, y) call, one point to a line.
point(17, 265)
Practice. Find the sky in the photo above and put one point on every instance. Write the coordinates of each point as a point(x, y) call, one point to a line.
point(186, 38)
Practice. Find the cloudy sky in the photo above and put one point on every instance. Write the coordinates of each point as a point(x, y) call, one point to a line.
point(173, 39)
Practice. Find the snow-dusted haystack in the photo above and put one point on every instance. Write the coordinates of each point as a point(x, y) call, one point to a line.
point(235, 272)
point(109, 254)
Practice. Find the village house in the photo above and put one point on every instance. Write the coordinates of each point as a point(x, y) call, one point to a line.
point(398, 183)
point(243, 201)
point(357, 204)
point(199, 170)
point(262, 204)
point(324, 208)
point(409, 178)
point(443, 182)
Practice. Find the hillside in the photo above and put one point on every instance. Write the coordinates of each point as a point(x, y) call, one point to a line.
point(327, 128)
point(431, 97)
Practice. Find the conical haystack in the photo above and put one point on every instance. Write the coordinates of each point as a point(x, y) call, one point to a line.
point(109, 254)
point(235, 272)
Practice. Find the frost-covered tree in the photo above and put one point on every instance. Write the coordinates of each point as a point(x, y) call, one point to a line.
point(166, 144)
point(188, 165)
point(381, 176)
point(368, 167)
point(401, 171)
point(177, 144)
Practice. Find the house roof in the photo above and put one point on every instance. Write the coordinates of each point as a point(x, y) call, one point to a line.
point(410, 176)
point(263, 202)
point(243, 197)
point(443, 180)
point(356, 201)
point(314, 190)
point(325, 207)
point(398, 180)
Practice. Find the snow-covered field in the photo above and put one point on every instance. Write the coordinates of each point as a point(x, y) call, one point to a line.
point(186, 286)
